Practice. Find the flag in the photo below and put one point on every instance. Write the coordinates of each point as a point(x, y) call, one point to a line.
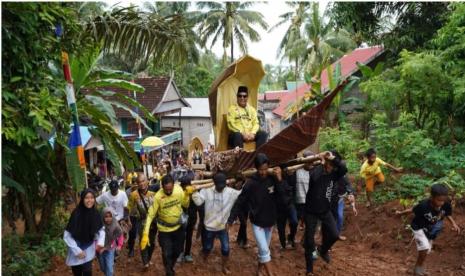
point(142, 154)
point(75, 161)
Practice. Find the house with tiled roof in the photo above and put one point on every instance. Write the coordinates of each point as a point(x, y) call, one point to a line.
point(161, 97)
point(369, 56)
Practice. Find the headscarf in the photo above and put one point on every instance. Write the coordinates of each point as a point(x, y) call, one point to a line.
point(112, 231)
point(84, 222)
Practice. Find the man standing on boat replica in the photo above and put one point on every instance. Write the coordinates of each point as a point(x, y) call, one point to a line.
point(243, 122)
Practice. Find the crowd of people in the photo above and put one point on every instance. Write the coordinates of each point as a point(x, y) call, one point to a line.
point(169, 208)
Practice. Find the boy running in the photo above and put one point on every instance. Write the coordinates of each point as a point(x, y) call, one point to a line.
point(371, 172)
point(428, 222)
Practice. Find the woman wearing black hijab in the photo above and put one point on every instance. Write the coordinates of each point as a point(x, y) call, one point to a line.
point(84, 234)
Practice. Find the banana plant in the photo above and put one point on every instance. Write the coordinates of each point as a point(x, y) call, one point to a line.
point(96, 103)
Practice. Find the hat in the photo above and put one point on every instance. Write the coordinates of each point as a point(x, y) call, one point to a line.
point(220, 180)
point(242, 89)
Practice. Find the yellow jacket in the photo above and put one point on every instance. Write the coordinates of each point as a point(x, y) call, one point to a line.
point(243, 120)
point(368, 171)
point(167, 209)
point(135, 205)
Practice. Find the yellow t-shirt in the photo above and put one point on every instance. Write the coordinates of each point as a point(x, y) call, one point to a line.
point(243, 120)
point(167, 209)
point(130, 177)
point(368, 171)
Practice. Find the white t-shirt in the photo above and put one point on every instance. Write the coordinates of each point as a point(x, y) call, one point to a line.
point(117, 202)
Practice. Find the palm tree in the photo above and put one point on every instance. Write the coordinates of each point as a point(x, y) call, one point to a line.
point(292, 46)
point(325, 45)
point(142, 35)
point(230, 21)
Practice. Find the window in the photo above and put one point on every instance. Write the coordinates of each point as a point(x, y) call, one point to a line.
point(200, 124)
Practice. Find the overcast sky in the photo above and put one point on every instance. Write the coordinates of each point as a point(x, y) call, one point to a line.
point(265, 49)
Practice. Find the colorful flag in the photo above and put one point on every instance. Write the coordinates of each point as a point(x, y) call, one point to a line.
point(75, 161)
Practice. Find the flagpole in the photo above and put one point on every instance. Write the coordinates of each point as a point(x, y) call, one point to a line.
point(71, 99)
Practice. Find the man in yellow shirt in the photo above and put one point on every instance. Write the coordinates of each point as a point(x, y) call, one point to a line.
point(371, 172)
point(243, 122)
point(167, 208)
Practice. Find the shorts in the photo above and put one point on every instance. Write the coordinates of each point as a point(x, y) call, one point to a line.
point(370, 182)
point(423, 243)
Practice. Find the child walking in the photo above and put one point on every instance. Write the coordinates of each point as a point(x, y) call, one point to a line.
point(428, 222)
point(114, 239)
point(371, 172)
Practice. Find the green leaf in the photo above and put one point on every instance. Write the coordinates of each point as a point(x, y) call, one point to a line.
point(15, 79)
point(378, 69)
point(112, 74)
point(9, 182)
point(366, 70)
point(133, 114)
point(103, 106)
point(135, 103)
point(115, 83)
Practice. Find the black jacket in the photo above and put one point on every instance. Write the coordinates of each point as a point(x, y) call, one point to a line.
point(323, 187)
point(262, 197)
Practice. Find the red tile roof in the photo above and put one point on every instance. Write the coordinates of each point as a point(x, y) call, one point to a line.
point(348, 67)
point(272, 95)
point(155, 88)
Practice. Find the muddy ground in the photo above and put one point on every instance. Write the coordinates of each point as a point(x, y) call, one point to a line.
point(378, 243)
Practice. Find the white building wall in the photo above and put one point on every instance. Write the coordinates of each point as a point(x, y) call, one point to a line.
point(191, 127)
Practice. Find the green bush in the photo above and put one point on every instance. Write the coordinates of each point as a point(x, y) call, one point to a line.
point(347, 142)
point(31, 254)
point(412, 186)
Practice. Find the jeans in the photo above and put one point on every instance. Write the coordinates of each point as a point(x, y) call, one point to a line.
point(338, 213)
point(106, 261)
point(288, 214)
point(84, 269)
point(235, 139)
point(328, 231)
point(263, 238)
point(171, 244)
point(210, 236)
point(435, 230)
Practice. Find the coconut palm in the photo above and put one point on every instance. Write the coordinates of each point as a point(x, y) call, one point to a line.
point(324, 44)
point(292, 46)
point(230, 21)
point(142, 35)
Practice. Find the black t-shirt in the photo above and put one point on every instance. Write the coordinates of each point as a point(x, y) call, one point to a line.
point(262, 197)
point(322, 188)
point(426, 216)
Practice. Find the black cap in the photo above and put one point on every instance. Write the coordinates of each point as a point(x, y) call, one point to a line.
point(242, 89)
point(220, 180)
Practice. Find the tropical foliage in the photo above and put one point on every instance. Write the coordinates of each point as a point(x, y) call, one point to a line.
point(230, 22)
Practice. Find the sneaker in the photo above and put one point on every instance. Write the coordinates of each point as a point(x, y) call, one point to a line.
point(342, 238)
point(315, 255)
point(420, 271)
point(180, 258)
point(325, 256)
point(188, 259)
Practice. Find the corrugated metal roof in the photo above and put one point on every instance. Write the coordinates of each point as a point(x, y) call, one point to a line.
point(199, 108)
point(348, 67)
